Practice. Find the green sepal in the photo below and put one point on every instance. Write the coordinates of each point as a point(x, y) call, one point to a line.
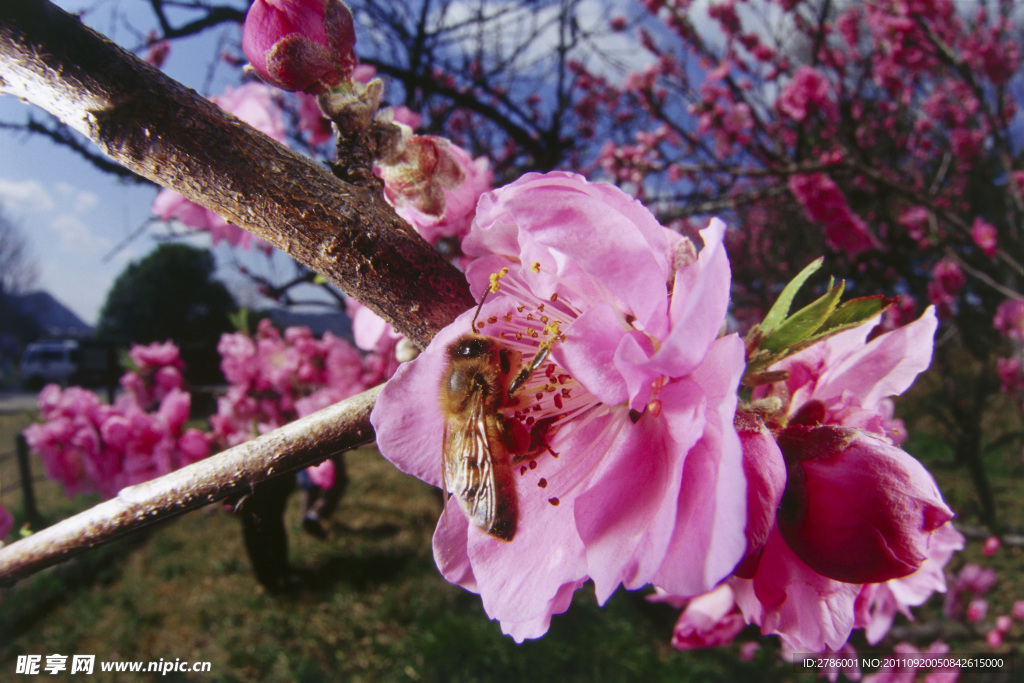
point(240, 319)
point(780, 309)
point(124, 360)
point(319, 279)
point(852, 313)
point(805, 323)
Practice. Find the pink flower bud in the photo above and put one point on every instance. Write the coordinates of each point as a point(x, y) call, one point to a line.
point(990, 547)
point(977, 609)
point(1003, 623)
point(994, 639)
point(856, 508)
point(300, 44)
point(1017, 611)
point(985, 236)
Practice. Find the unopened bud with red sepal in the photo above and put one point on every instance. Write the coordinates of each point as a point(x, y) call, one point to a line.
point(856, 509)
point(300, 44)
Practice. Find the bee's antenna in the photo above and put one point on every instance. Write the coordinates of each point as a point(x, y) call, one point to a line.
point(492, 287)
point(472, 325)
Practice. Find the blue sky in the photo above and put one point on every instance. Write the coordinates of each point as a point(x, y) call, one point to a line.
point(73, 216)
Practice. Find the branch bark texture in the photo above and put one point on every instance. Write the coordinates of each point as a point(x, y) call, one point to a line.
point(167, 133)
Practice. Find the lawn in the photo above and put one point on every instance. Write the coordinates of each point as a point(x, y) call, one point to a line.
point(372, 605)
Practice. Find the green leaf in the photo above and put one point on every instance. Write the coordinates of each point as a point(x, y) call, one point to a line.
point(803, 324)
point(125, 361)
point(780, 309)
point(240, 319)
point(855, 312)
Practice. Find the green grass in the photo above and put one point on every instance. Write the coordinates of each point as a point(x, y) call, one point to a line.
point(372, 605)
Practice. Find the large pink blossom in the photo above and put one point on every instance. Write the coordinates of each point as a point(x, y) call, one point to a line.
point(254, 104)
point(640, 479)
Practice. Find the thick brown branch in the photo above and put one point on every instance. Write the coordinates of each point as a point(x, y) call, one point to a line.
point(296, 445)
point(167, 133)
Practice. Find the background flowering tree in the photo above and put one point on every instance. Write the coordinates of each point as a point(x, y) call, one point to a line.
point(363, 261)
point(884, 134)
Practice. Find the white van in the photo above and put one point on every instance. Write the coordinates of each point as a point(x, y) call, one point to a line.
point(48, 361)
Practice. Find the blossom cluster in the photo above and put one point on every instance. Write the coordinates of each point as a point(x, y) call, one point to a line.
point(93, 447)
point(642, 466)
point(1009, 322)
point(275, 378)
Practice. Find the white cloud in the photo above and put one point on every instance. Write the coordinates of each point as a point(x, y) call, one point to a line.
point(76, 236)
point(80, 201)
point(25, 196)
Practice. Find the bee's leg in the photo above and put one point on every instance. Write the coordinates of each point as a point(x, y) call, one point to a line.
point(524, 374)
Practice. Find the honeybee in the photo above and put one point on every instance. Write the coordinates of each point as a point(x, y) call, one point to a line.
point(479, 441)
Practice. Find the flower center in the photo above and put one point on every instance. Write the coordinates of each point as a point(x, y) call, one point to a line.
point(531, 326)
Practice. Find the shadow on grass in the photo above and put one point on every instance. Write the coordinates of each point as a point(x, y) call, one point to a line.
point(33, 599)
point(361, 572)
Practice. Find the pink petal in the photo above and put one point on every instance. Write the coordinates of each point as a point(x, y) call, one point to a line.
point(700, 297)
point(709, 539)
point(627, 516)
point(887, 365)
point(407, 416)
point(861, 510)
point(589, 353)
point(809, 611)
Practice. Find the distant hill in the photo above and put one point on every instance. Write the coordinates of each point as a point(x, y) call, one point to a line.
point(335, 322)
point(54, 318)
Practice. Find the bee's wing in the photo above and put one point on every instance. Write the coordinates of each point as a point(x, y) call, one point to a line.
point(476, 469)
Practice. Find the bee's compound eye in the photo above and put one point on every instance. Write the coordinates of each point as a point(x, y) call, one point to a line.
point(472, 348)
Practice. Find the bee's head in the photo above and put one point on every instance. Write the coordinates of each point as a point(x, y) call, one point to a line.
point(471, 347)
